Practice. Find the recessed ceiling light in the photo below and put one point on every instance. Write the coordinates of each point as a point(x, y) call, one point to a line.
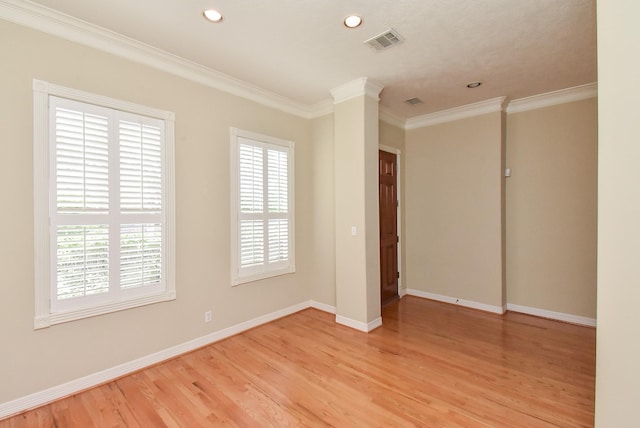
point(352, 21)
point(474, 85)
point(212, 15)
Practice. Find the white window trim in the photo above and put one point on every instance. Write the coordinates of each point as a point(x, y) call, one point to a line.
point(41, 164)
point(236, 277)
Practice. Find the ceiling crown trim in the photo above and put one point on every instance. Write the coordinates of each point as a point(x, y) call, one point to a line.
point(40, 18)
point(67, 27)
point(575, 93)
point(389, 117)
point(470, 110)
point(356, 88)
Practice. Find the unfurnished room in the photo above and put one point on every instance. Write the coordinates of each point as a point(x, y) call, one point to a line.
point(319, 213)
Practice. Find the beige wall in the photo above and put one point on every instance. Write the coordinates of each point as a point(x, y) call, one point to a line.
point(323, 241)
point(371, 207)
point(390, 135)
point(356, 205)
point(453, 209)
point(350, 251)
point(30, 360)
point(552, 208)
point(618, 347)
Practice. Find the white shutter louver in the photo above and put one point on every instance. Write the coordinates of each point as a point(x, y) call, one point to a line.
point(263, 207)
point(251, 183)
point(83, 260)
point(278, 184)
point(82, 187)
point(140, 167)
point(141, 194)
point(82, 161)
point(103, 204)
point(251, 242)
point(278, 205)
point(278, 240)
point(98, 151)
point(251, 179)
point(140, 254)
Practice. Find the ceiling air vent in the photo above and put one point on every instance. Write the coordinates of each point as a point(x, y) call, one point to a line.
point(414, 101)
point(385, 40)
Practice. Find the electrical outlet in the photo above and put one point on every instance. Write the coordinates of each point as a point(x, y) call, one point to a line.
point(208, 316)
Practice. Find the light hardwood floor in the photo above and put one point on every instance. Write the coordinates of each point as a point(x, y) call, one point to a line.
point(429, 365)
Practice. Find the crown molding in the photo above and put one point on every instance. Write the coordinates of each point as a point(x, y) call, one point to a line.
point(548, 99)
point(567, 95)
point(43, 19)
point(40, 18)
point(320, 109)
point(356, 88)
point(457, 113)
point(387, 116)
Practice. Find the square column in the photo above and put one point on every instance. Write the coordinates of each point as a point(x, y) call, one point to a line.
point(357, 235)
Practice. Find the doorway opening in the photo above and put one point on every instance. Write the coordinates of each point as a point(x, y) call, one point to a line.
point(389, 228)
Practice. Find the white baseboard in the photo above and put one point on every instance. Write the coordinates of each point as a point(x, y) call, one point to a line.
point(456, 301)
point(86, 382)
point(66, 389)
point(559, 316)
point(322, 306)
point(359, 325)
point(402, 292)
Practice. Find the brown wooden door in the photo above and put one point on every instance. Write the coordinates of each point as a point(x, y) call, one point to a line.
point(388, 184)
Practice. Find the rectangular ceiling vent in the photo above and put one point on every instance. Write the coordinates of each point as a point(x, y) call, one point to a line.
point(385, 40)
point(414, 101)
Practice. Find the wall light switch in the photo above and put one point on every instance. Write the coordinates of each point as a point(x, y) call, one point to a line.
point(354, 231)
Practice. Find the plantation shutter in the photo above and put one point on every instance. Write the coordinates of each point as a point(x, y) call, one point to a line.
point(81, 140)
point(140, 194)
point(278, 206)
point(108, 221)
point(251, 183)
point(264, 207)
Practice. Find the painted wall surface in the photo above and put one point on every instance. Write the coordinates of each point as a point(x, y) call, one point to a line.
point(31, 361)
point(323, 241)
point(453, 209)
point(351, 274)
point(618, 347)
point(552, 208)
point(356, 209)
point(371, 207)
point(391, 135)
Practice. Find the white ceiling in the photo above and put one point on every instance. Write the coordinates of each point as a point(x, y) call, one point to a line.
point(300, 49)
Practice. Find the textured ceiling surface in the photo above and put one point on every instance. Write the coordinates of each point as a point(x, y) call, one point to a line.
point(300, 49)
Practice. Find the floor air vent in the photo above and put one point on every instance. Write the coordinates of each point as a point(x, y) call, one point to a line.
point(385, 40)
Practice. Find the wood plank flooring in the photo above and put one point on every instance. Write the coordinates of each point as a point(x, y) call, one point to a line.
point(429, 365)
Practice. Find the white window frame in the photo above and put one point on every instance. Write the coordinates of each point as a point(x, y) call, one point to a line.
point(46, 314)
point(238, 274)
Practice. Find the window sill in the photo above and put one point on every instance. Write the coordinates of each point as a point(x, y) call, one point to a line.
point(62, 317)
point(264, 275)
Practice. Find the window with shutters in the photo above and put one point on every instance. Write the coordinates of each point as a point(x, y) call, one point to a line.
point(262, 207)
point(103, 204)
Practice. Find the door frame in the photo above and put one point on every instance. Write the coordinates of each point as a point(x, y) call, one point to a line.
point(401, 290)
